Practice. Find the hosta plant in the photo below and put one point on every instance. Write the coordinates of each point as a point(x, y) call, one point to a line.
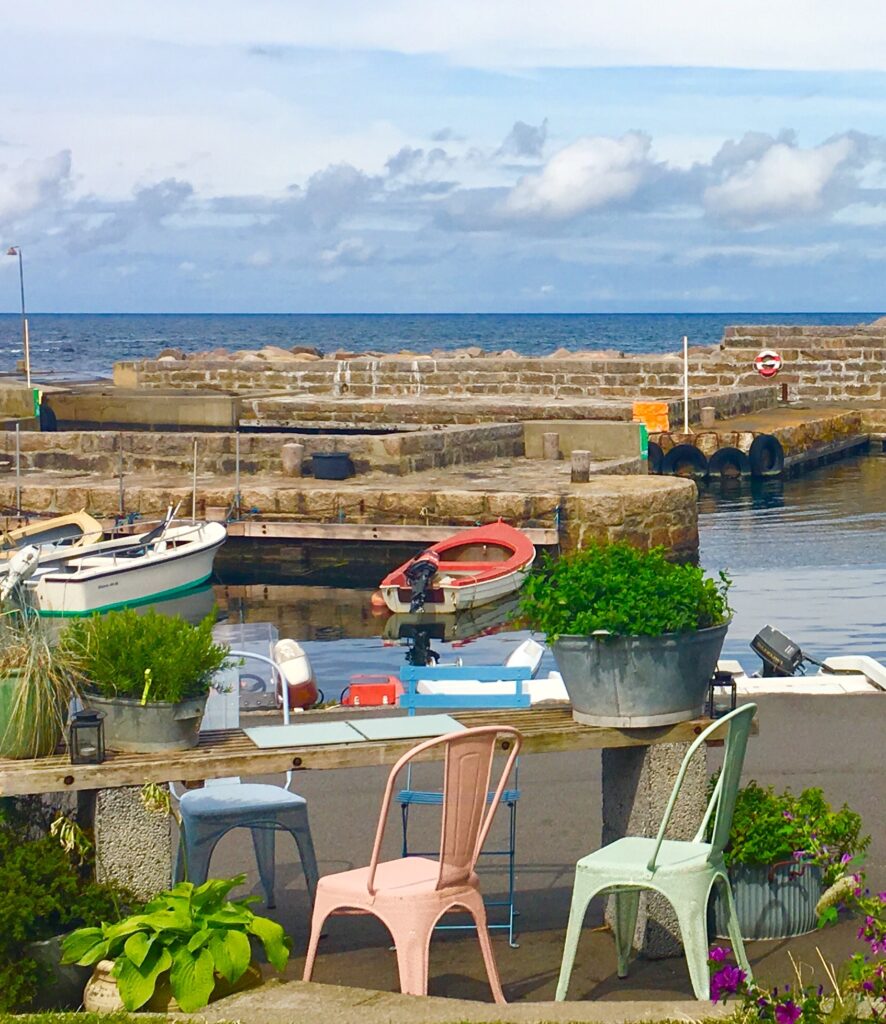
point(195, 933)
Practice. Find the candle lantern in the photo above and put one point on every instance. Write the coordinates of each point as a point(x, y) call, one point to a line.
point(86, 741)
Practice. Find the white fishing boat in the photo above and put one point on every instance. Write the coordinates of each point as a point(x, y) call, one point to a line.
point(171, 559)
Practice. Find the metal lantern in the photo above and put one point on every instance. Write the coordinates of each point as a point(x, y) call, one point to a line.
point(86, 741)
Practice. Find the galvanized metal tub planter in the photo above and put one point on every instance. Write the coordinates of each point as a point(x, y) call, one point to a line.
point(638, 681)
point(62, 985)
point(132, 727)
point(775, 902)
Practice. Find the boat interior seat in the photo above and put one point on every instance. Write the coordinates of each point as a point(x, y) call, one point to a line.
point(457, 567)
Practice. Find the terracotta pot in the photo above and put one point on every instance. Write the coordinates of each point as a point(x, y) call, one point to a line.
point(102, 996)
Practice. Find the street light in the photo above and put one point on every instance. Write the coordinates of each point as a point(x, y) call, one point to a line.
point(16, 250)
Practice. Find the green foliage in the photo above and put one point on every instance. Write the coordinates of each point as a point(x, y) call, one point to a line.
point(768, 827)
point(65, 1017)
point(193, 933)
point(625, 591)
point(42, 894)
point(128, 654)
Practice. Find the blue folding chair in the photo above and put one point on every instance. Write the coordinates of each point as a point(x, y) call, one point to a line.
point(412, 700)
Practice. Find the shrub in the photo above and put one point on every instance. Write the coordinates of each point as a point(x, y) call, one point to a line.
point(148, 656)
point(622, 590)
point(768, 827)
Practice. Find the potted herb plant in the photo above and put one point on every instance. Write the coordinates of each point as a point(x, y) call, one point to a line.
point(783, 851)
point(149, 674)
point(191, 944)
point(636, 637)
point(36, 686)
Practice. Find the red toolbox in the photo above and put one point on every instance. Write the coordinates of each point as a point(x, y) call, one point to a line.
point(372, 691)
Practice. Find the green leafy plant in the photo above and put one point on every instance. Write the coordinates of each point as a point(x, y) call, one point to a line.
point(769, 827)
point(193, 933)
point(622, 590)
point(42, 894)
point(144, 656)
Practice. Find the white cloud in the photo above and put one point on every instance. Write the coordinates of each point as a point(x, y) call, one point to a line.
point(350, 252)
point(32, 184)
point(259, 258)
point(590, 173)
point(784, 181)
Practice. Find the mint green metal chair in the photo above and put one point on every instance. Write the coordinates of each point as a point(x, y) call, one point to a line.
point(684, 872)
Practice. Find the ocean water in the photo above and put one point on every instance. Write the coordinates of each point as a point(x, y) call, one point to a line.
point(89, 344)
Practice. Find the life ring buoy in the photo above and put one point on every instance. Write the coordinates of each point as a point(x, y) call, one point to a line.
point(685, 460)
point(729, 462)
point(766, 456)
point(655, 455)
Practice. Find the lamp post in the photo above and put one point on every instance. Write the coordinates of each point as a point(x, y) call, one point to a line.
point(16, 250)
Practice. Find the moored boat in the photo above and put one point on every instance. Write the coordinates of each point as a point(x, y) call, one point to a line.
point(57, 533)
point(473, 567)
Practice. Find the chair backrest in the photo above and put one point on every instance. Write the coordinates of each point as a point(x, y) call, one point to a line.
point(467, 810)
point(737, 725)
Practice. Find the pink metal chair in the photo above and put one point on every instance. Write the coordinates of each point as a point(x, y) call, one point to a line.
point(411, 894)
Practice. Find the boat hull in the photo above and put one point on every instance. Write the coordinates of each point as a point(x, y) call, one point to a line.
point(105, 582)
point(449, 598)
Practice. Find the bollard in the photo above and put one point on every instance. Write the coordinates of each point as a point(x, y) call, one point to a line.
point(708, 416)
point(292, 455)
point(581, 466)
point(550, 446)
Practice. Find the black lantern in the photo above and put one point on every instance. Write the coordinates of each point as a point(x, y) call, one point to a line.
point(86, 742)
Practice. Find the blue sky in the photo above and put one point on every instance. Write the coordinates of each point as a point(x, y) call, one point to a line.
point(503, 156)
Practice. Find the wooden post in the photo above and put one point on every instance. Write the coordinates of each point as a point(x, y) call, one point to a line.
point(581, 466)
point(194, 487)
point(292, 455)
point(550, 446)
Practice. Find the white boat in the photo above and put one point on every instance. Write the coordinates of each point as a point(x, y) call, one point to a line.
point(76, 530)
point(171, 559)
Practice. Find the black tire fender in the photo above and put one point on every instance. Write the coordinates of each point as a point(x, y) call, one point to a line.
point(685, 460)
point(729, 462)
point(766, 456)
point(655, 456)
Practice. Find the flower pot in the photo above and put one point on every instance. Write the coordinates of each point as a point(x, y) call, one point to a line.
point(135, 728)
point(638, 681)
point(40, 737)
point(774, 902)
point(102, 996)
point(62, 986)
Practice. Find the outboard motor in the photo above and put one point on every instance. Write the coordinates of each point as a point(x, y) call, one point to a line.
point(781, 656)
point(419, 573)
point(418, 638)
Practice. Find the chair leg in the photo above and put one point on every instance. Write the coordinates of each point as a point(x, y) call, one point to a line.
point(512, 872)
point(692, 918)
point(412, 943)
point(478, 912)
point(581, 897)
point(733, 927)
point(198, 853)
point(322, 910)
point(263, 840)
point(404, 820)
point(305, 844)
point(627, 904)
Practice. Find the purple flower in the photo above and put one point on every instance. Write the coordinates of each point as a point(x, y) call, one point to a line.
point(725, 982)
point(881, 896)
point(787, 815)
point(787, 1013)
point(719, 953)
point(846, 858)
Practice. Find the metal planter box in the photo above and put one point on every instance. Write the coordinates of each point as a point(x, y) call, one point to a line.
point(772, 902)
point(638, 681)
point(131, 727)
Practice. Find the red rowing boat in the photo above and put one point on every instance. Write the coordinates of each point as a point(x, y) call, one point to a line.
point(470, 568)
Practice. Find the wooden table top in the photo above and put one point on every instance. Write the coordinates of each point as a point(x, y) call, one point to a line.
point(231, 752)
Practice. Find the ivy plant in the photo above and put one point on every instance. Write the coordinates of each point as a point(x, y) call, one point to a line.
point(193, 933)
point(147, 655)
point(622, 590)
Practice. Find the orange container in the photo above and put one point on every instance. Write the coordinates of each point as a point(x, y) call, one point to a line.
point(372, 691)
point(653, 414)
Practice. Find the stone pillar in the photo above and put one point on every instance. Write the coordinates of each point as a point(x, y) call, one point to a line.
point(133, 845)
point(708, 416)
point(292, 455)
point(550, 446)
point(581, 466)
point(637, 782)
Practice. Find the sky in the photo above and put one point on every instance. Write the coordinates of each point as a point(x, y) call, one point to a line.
point(466, 156)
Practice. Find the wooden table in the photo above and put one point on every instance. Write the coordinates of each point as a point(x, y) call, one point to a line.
point(219, 754)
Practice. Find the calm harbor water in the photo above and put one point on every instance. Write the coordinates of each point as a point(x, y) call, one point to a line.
point(807, 555)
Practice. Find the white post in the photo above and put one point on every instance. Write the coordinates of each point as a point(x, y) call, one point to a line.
point(237, 474)
point(685, 384)
point(194, 487)
point(18, 471)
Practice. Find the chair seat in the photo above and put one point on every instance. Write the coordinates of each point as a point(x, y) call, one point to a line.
point(432, 796)
point(408, 878)
point(629, 856)
point(234, 799)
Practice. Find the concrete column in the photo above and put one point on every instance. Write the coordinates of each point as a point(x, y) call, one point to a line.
point(550, 446)
point(292, 455)
point(581, 466)
point(637, 782)
point(708, 416)
point(133, 846)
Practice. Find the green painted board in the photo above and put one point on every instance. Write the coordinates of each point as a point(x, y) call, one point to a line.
point(311, 734)
point(406, 728)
